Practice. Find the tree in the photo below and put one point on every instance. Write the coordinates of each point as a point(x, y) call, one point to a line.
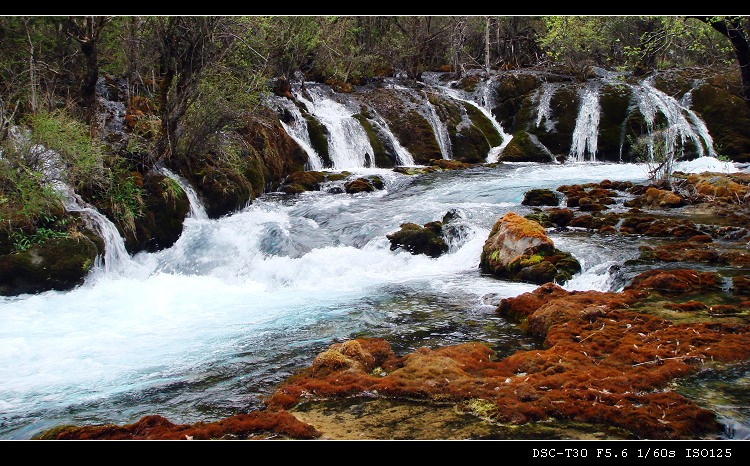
point(424, 41)
point(186, 45)
point(737, 30)
point(86, 31)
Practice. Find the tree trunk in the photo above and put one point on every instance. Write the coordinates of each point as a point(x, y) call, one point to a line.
point(132, 54)
point(32, 69)
point(87, 32)
point(487, 45)
point(737, 30)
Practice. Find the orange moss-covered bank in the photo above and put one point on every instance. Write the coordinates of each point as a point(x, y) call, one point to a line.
point(604, 362)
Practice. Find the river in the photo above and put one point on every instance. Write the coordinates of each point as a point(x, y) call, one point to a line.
point(207, 328)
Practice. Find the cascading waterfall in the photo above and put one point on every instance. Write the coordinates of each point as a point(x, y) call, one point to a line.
point(438, 126)
point(197, 209)
point(544, 110)
point(494, 153)
point(297, 130)
point(348, 143)
point(403, 155)
point(116, 259)
point(587, 127)
point(487, 99)
point(440, 130)
point(682, 124)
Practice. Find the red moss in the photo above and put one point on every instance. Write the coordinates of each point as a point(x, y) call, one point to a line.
point(603, 362)
point(676, 281)
point(689, 306)
point(242, 426)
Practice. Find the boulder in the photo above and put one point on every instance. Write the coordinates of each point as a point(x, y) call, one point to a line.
point(57, 264)
point(426, 239)
point(519, 249)
point(540, 197)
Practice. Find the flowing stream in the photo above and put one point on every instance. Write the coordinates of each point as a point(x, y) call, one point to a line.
point(206, 328)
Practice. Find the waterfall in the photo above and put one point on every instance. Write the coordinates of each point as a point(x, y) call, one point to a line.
point(543, 107)
point(494, 153)
point(587, 127)
point(297, 130)
point(441, 132)
point(404, 156)
point(197, 209)
point(348, 143)
point(682, 123)
point(116, 257)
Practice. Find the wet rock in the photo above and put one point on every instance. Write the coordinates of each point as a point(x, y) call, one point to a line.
point(676, 281)
point(364, 184)
point(540, 197)
point(657, 198)
point(554, 217)
point(601, 362)
point(301, 181)
point(427, 239)
point(519, 249)
point(57, 264)
point(257, 425)
point(445, 164)
point(164, 209)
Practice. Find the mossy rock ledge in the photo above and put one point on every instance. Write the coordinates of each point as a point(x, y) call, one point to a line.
point(57, 264)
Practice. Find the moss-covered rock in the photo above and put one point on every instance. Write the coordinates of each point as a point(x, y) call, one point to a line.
point(165, 206)
point(400, 111)
point(473, 137)
point(524, 147)
point(416, 239)
point(518, 249)
point(364, 184)
point(302, 181)
point(716, 99)
point(556, 136)
point(511, 91)
point(382, 157)
point(56, 264)
point(540, 197)
point(245, 164)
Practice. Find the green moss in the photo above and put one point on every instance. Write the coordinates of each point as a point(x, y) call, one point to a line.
point(530, 260)
point(482, 408)
point(53, 433)
point(484, 125)
point(382, 159)
point(318, 139)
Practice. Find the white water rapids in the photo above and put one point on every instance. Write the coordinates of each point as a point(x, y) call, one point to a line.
point(205, 328)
